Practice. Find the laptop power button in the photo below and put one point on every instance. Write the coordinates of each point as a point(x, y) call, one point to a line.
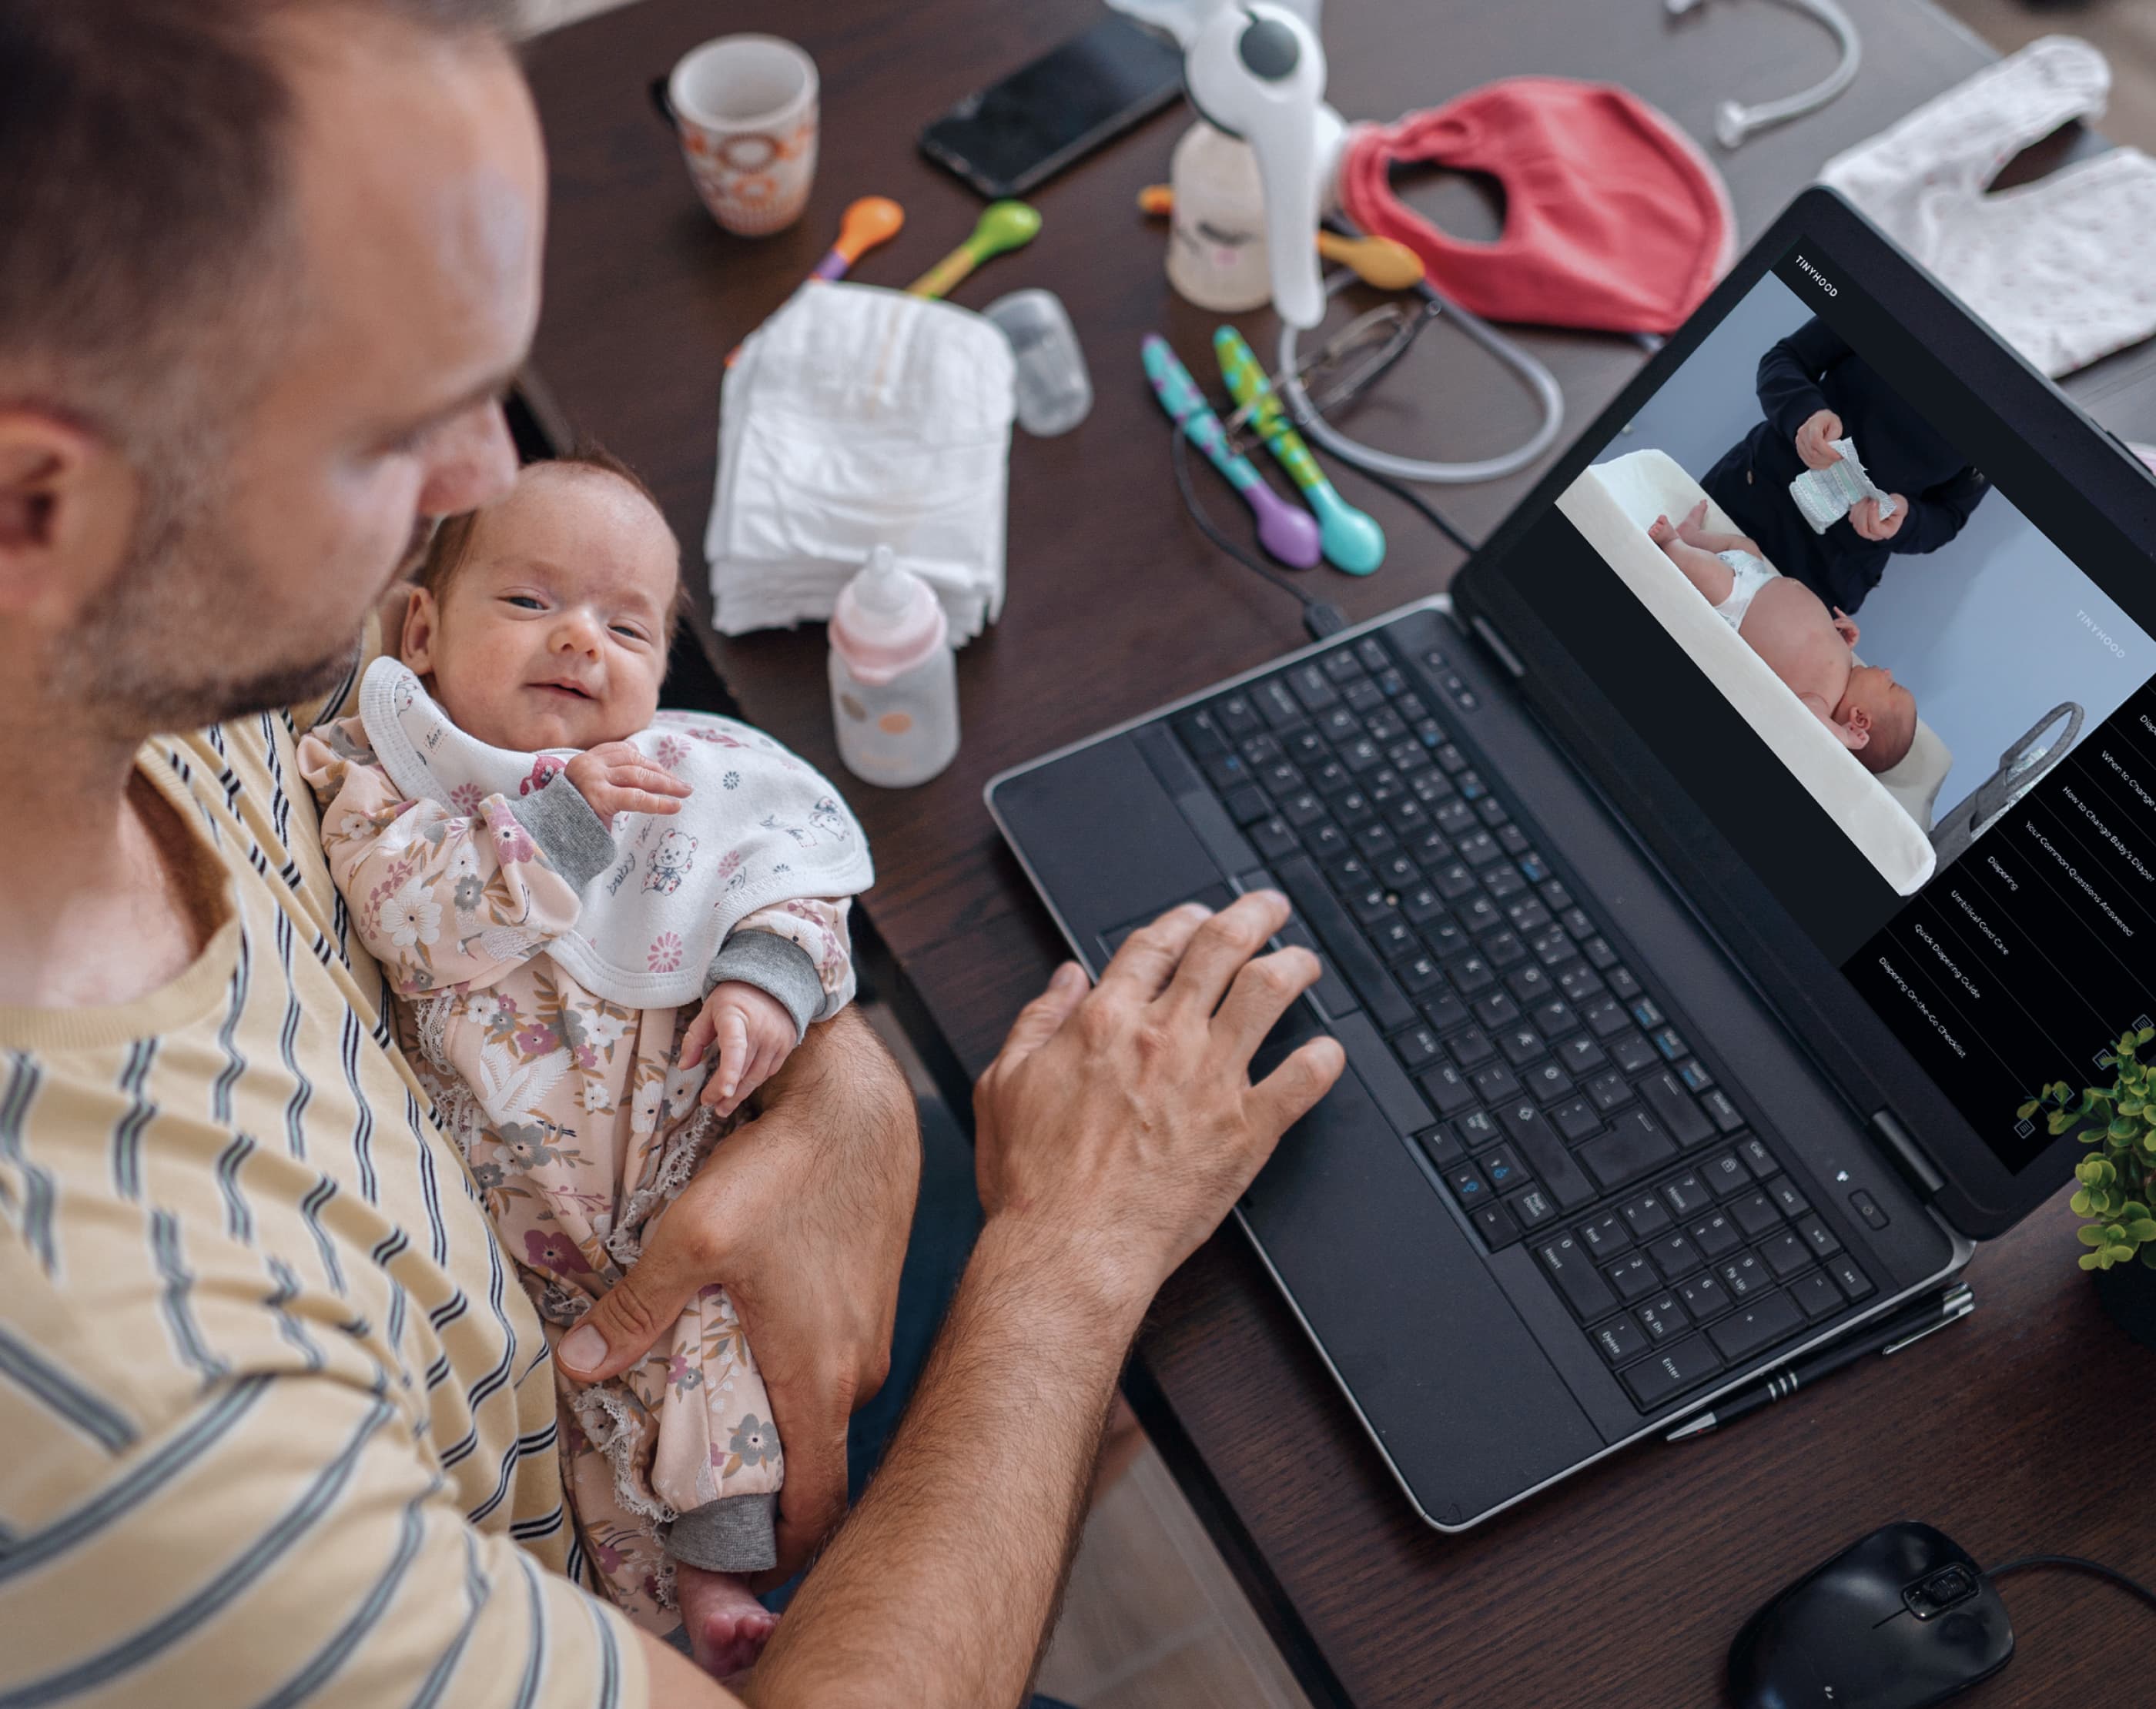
point(1866, 1206)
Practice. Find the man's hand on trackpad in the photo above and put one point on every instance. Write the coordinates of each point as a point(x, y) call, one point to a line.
point(1122, 1122)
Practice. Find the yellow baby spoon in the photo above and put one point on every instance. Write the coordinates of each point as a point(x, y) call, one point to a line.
point(1004, 226)
point(1376, 261)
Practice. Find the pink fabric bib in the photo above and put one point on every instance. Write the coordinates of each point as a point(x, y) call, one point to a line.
point(1615, 221)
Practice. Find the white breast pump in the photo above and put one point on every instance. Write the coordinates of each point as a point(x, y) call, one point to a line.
point(1256, 73)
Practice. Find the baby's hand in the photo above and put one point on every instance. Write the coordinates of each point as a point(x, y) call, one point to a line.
point(1845, 625)
point(616, 778)
point(754, 1034)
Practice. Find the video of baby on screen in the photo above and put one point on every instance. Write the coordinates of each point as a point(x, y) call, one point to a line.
point(1915, 650)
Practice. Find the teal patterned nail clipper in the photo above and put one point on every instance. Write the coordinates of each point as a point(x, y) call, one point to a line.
point(1351, 540)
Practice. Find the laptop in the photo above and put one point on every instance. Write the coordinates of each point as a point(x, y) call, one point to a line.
point(1682, 1036)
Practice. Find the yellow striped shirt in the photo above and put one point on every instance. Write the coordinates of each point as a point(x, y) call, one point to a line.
point(276, 1421)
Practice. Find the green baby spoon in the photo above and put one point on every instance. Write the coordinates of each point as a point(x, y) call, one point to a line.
point(1350, 539)
point(1004, 226)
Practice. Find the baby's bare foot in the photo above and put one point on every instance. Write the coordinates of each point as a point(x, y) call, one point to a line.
point(1661, 531)
point(1695, 522)
point(727, 1626)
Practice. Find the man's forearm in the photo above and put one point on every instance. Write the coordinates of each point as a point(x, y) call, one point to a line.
point(939, 1588)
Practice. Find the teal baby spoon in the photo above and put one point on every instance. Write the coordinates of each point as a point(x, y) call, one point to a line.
point(1351, 540)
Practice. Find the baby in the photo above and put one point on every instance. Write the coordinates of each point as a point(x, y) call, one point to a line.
point(1810, 649)
point(540, 625)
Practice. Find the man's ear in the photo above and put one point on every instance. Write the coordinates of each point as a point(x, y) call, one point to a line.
point(68, 504)
point(423, 627)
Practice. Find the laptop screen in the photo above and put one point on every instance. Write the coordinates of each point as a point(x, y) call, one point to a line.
point(1911, 680)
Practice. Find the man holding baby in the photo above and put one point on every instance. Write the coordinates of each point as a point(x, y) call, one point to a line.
point(281, 1422)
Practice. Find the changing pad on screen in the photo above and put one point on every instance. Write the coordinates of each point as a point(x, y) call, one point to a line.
point(1887, 815)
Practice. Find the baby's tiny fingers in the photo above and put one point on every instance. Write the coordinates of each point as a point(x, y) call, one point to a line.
point(643, 776)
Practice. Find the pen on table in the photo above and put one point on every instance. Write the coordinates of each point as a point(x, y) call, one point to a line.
point(1889, 1338)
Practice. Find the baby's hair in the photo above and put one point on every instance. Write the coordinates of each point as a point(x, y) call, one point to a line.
point(451, 544)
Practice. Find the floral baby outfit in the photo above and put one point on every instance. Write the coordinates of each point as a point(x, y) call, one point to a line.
point(580, 1122)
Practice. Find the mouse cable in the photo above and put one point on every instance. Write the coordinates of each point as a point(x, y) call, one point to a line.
point(1319, 616)
point(2076, 1564)
point(1407, 496)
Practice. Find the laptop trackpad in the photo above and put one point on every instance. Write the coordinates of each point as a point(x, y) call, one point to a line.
point(1471, 1411)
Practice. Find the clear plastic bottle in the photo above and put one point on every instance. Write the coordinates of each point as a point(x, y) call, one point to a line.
point(894, 682)
point(1216, 239)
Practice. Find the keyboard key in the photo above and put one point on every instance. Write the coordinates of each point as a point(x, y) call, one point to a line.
point(1620, 1339)
point(1757, 1324)
point(1694, 1074)
point(1674, 1255)
point(1606, 1016)
point(1530, 985)
point(1622, 982)
point(1440, 1145)
point(1521, 1045)
point(1553, 1165)
point(1416, 1046)
point(1687, 1195)
point(1757, 1158)
point(1704, 1295)
point(1567, 1266)
point(1531, 1208)
point(1785, 1255)
point(1247, 805)
point(1755, 1213)
point(1201, 735)
point(1497, 1011)
point(1664, 1316)
point(1447, 1089)
point(1272, 838)
point(1579, 1053)
point(1501, 1168)
point(1236, 714)
point(1446, 938)
point(1716, 1236)
point(1866, 1206)
point(1527, 915)
point(1495, 1083)
point(1598, 950)
point(1575, 1119)
point(1580, 984)
point(1816, 1296)
point(1498, 1229)
point(1342, 666)
point(1634, 1146)
point(1725, 1175)
point(1606, 1237)
point(1783, 1192)
point(1852, 1281)
point(1634, 1278)
point(1419, 974)
point(1443, 1010)
point(1504, 949)
point(1478, 1129)
point(1365, 697)
point(1680, 1365)
point(1645, 1216)
point(1311, 687)
point(1467, 1185)
point(1395, 940)
point(1686, 1122)
point(1723, 1113)
point(1632, 1053)
point(1610, 1090)
point(1548, 1081)
point(1743, 1276)
point(1671, 1043)
point(1819, 1238)
point(1372, 652)
point(1326, 840)
point(1471, 974)
point(1276, 705)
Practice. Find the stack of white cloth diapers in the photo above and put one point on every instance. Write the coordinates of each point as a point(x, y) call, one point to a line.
point(857, 417)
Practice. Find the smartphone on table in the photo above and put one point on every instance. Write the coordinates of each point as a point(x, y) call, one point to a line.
point(1016, 134)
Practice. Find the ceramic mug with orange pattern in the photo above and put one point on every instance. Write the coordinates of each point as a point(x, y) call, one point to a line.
point(745, 108)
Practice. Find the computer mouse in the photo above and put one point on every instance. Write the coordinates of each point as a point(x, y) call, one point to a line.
point(1898, 1620)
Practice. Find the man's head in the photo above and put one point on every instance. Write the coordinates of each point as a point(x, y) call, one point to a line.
point(1884, 711)
point(543, 619)
point(269, 266)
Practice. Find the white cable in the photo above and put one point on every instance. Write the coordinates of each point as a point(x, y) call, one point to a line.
point(1734, 120)
point(1539, 380)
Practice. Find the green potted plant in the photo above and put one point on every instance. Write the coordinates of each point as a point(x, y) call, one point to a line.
point(2117, 1179)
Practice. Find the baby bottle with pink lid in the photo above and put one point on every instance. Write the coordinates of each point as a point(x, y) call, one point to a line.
point(894, 683)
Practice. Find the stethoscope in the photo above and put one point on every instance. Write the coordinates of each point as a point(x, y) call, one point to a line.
point(1734, 120)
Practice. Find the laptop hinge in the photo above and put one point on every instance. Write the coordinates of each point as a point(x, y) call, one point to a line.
point(1908, 1156)
point(1495, 643)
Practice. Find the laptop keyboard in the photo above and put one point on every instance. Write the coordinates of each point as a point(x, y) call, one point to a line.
point(1568, 1112)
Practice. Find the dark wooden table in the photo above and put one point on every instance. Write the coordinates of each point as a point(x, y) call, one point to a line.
point(2028, 1427)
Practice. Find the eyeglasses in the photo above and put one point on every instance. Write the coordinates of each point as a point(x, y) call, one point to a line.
point(1351, 361)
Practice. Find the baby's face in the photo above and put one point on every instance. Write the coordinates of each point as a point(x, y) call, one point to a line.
point(1892, 709)
point(552, 632)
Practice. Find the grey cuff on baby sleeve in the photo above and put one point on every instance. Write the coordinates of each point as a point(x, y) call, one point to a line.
point(562, 823)
point(733, 1534)
point(773, 964)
